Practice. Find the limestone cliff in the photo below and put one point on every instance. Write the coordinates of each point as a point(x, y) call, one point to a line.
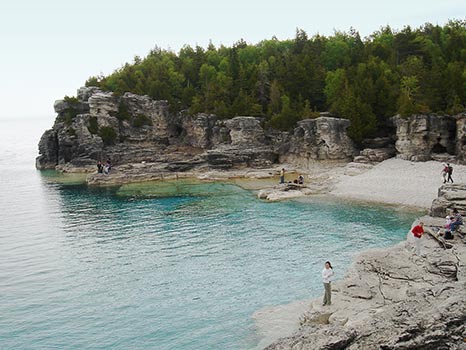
point(426, 137)
point(97, 125)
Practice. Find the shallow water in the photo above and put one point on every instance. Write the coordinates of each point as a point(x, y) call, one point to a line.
point(174, 265)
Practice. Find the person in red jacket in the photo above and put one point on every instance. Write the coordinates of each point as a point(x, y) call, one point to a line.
point(417, 232)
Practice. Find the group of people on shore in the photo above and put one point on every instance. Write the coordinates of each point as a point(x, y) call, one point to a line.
point(104, 168)
point(452, 222)
point(446, 173)
point(299, 180)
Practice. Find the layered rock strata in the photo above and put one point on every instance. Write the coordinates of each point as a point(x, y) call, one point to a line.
point(426, 137)
point(98, 125)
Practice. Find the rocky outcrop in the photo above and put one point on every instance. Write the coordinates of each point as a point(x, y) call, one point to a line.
point(374, 155)
point(98, 125)
point(450, 196)
point(392, 299)
point(421, 136)
point(461, 137)
point(322, 138)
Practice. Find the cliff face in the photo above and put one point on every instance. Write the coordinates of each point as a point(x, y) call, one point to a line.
point(426, 137)
point(129, 129)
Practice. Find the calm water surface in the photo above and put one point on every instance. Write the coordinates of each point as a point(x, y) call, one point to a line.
point(159, 266)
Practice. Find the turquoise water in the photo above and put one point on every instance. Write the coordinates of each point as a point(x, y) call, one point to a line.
point(159, 266)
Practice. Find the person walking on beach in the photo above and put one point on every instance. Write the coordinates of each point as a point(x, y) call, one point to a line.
point(282, 176)
point(449, 171)
point(417, 232)
point(444, 172)
point(327, 274)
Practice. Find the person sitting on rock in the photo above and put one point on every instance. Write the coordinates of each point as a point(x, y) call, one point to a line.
point(448, 234)
point(100, 167)
point(457, 220)
point(109, 164)
point(301, 180)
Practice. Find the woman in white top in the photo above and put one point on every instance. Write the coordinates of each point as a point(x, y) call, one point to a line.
point(327, 274)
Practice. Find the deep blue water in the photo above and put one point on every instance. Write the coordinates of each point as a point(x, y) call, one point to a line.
point(159, 266)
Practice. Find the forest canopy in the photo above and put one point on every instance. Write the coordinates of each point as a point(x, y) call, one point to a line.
point(367, 81)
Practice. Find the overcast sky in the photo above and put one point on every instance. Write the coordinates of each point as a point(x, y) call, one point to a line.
point(50, 47)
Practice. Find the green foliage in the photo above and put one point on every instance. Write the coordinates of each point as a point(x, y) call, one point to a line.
point(123, 113)
point(71, 131)
point(141, 120)
point(72, 111)
point(108, 135)
point(412, 70)
point(93, 125)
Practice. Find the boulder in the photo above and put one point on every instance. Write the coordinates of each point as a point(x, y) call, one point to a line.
point(450, 196)
point(374, 155)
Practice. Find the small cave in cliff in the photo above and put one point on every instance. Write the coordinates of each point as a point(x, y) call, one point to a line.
point(438, 148)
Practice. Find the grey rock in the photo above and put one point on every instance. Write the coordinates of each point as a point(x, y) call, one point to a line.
point(450, 196)
point(420, 136)
point(323, 138)
point(134, 128)
point(461, 137)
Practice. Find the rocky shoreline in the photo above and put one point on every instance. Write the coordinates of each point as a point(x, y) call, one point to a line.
point(391, 298)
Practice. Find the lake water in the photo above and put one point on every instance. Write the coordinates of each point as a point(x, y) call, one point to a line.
point(172, 265)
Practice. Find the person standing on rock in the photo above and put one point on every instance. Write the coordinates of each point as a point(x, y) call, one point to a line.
point(100, 167)
point(417, 232)
point(450, 171)
point(282, 176)
point(327, 274)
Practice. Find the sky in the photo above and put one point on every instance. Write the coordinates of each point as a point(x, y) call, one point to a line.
point(49, 48)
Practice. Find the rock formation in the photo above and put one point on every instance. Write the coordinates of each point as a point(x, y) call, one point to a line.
point(450, 196)
point(393, 299)
point(98, 125)
point(422, 137)
point(461, 137)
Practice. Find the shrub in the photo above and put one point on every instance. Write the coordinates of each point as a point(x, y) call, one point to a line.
point(141, 120)
point(71, 131)
point(108, 135)
point(123, 113)
point(72, 111)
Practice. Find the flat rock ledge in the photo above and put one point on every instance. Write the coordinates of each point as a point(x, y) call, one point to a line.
point(144, 172)
point(393, 299)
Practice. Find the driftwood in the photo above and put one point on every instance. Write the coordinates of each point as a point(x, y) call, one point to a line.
point(440, 240)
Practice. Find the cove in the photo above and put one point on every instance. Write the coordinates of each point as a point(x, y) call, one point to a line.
point(173, 265)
